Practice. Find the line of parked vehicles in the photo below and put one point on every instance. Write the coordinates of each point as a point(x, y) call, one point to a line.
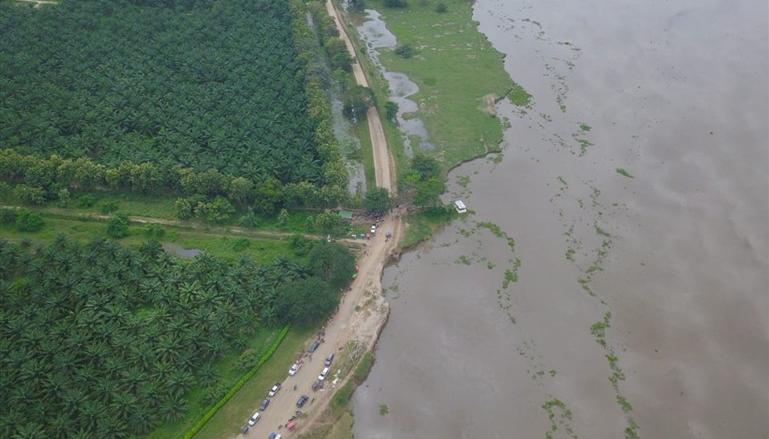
point(293, 370)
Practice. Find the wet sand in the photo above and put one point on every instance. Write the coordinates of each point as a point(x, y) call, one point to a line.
point(677, 96)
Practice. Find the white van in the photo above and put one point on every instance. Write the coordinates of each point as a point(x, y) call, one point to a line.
point(459, 205)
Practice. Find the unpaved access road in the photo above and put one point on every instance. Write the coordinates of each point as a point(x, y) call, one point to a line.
point(383, 163)
point(361, 315)
point(363, 310)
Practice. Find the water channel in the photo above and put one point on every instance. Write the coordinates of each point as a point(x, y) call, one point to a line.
point(635, 190)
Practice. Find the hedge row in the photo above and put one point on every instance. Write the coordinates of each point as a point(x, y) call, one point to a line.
point(237, 386)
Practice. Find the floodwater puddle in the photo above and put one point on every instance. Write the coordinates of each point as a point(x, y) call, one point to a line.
point(374, 33)
point(182, 252)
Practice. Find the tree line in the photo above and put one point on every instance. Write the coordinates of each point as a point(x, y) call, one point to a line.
point(196, 85)
point(99, 340)
point(40, 179)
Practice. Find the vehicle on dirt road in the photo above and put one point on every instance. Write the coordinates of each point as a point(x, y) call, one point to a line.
point(294, 368)
point(329, 360)
point(317, 385)
point(274, 390)
point(302, 401)
point(254, 419)
point(314, 346)
point(323, 374)
point(274, 435)
point(263, 406)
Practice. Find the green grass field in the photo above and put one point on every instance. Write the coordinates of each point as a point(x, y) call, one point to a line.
point(222, 245)
point(456, 69)
point(228, 421)
point(229, 375)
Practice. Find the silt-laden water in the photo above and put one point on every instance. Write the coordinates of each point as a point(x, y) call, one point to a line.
point(641, 299)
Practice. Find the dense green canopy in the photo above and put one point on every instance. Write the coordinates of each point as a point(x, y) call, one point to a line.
point(105, 340)
point(204, 84)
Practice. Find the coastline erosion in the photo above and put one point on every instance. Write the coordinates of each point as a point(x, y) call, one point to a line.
point(612, 281)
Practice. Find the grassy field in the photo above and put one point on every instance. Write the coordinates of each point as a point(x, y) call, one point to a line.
point(261, 250)
point(422, 225)
point(229, 375)
point(457, 72)
point(227, 421)
point(361, 131)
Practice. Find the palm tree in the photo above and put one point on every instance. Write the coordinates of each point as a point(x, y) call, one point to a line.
point(173, 408)
point(31, 430)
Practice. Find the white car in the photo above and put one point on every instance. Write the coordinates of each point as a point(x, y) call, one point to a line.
point(373, 229)
point(323, 374)
point(274, 390)
point(254, 419)
point(294, 369)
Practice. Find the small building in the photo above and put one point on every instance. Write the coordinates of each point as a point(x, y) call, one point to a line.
point(346, 215)
point(459, 205)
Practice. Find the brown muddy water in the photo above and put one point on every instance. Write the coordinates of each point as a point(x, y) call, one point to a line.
point(631, 306)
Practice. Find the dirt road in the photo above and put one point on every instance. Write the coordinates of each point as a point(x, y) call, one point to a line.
point(363, 310)
point(383, 163)
point(361, 315)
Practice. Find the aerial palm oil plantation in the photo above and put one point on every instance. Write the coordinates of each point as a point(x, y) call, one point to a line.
point(131, 130)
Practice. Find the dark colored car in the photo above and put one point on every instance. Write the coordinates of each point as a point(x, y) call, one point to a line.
point(302, 401)
point(329, 359)
point(317, 385)
point(264, 404)
point(314, 346)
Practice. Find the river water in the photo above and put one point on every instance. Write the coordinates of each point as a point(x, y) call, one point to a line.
point(636, 191)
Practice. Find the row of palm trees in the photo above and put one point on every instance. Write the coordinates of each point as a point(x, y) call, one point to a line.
point(214, 87)
point(99, 340)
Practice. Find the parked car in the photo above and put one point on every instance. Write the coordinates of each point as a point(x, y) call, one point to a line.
point(265, 403)
point(373, 229)
point(314, 346)
point(294, 368)
point(254, 419)
point(274, 390)
point(329, 359)
point(274, 435)
point(323, 374)
point(302, 401)
point(317, 385)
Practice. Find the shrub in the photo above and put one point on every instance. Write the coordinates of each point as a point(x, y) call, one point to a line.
point(377, 201)
point(306, 302)
point(395, 3)
point(391, 111)
point(30, 195)
point(301, 245)
point(64, 197)
point(404, 51)
point(357, 100)
point(7, 217)
point(27, 221)
point(154, 232)
point(108, 207)
point(249, 220)
point(184, 208)
point(241, 244)
point(117, 227)
point(333, 263)
point(441, 8)
point(86, 201)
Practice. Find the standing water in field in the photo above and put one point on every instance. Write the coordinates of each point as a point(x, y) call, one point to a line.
point(375, 34)
point(613, 280)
